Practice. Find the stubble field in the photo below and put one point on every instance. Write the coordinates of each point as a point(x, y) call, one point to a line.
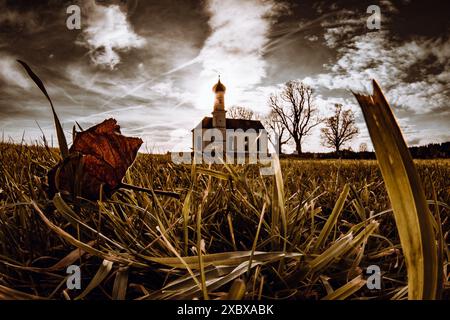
point(309, 232)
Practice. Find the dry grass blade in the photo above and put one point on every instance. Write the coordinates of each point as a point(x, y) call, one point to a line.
point(440, 245)
point(406, 194)
point(101, 274)
point(222, 259)
point(278, 202)
point(67, 212)
point(218, 282)
point(347, 289)
point(120, 284)
point(185, 285)
point(79, 244)
point(236, 273)
point(334, 252)
point(69, 259)
point(358, 204)
point(213, 173)
point(258, 230)
point(237, 290)
point(11, 294)
point(200, 253)
point(179, 259)
point(59, 130)
point(230, 226)
point(400, 294)
point(171, 194)
point(362, 236)
point(333, 218)
point(185, 211)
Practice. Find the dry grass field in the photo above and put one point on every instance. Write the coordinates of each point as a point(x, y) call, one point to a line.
point(309, 232)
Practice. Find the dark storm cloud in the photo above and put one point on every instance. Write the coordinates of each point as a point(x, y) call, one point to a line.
point(151, 64)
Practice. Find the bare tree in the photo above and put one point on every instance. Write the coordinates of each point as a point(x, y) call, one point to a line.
point(276, 130)
point(295, 110)
point(339, 128)
point(363, 147)
point(238, 112)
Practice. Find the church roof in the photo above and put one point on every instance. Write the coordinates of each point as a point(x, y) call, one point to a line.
point(207, 123)
point(219, 87)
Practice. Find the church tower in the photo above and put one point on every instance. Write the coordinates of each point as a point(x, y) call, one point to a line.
point(219, 118)
point(219, 105)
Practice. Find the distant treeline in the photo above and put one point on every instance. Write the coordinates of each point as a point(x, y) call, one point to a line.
point(429, 151)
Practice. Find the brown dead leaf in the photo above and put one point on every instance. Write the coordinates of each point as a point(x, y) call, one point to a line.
point(100, 155)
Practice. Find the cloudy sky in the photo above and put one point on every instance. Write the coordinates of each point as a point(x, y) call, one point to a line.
point(151, 64)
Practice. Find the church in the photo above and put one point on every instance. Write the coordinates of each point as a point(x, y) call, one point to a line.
point(230, 136)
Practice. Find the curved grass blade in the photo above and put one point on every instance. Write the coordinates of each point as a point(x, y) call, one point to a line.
point(79, 244)
point(237, 290)
point(406, 194)
point(73, 256)
point(101, 274)
point(222, 259)
point(171, 194)
point(59, 130)
point(332, 219)
point(120, 284)
point(400, 294)
point(218, 282)
point(347, 289)
point(67, 212)
point(11, 294)
point(185, 284)
point(333, 253)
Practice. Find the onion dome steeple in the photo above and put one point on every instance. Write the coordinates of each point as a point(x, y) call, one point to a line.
point(219, 87)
